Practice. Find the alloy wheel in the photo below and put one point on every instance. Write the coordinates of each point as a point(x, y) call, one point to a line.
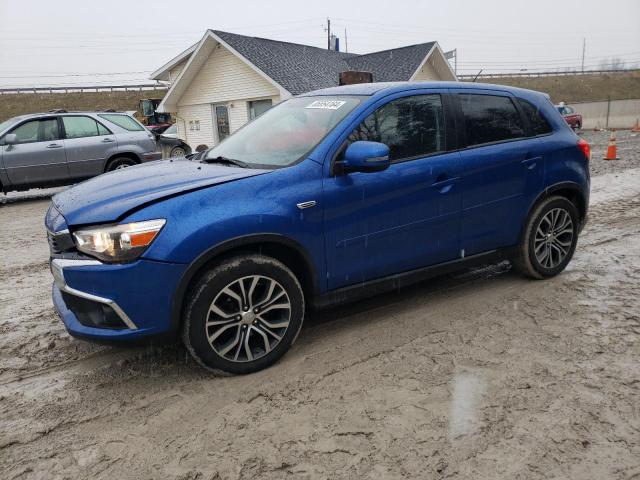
point(248, 318)
point(554, 237)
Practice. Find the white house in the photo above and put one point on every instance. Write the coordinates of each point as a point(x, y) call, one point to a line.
point(224, 80)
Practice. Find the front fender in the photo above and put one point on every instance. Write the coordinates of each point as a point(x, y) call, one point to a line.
point(261, 205)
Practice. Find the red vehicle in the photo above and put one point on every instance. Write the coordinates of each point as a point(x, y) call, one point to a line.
point(570, 116)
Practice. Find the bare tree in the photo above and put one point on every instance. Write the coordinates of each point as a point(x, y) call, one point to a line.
point(613, 63)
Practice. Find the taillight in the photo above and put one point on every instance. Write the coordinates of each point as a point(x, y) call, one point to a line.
point(584, 148)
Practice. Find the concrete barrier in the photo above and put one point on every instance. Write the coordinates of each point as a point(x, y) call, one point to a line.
point(609, 113)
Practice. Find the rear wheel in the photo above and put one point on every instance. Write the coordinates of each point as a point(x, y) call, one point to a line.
point(549, 239)
point(243, 315)
point(119, 163)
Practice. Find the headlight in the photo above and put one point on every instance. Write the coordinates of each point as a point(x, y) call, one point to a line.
point(118, 243)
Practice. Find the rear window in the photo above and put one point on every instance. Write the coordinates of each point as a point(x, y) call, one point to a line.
point(537, 122)
point(123, 121)
point(490, 118)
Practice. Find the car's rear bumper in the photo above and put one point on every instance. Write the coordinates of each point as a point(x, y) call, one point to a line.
point(115, 302)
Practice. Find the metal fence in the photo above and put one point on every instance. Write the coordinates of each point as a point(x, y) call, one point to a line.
point(76, 89)
point(544, 74)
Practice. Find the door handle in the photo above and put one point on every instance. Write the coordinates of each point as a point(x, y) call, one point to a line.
point(443, 183)
point(107, 140)
point(531, 162)
point(54, 145)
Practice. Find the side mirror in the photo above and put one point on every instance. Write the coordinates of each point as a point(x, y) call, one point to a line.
point(364, 156)
point(10, 139)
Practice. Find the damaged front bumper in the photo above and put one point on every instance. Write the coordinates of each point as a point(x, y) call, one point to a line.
point(103, 301)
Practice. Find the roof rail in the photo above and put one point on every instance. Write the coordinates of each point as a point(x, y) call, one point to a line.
point(58, 110)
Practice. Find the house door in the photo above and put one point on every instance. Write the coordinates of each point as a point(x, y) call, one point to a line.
point(221, 121)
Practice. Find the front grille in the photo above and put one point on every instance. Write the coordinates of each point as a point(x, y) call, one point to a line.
point(60, 242)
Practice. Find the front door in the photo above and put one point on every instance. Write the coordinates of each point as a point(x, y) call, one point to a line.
point(403, 218)
point(39, 156)
point(221, 122)
point(88, 144)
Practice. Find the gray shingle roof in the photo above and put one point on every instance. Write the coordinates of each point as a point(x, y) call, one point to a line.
point(397, 64)
point(302, 68)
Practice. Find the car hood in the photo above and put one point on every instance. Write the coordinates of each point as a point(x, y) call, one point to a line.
point(109, 197)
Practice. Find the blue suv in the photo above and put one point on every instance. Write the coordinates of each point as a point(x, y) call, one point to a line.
point(327, 197)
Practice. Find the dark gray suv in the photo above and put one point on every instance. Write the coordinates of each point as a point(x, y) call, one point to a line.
point(59, 148)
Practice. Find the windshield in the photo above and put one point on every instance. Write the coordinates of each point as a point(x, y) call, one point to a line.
point(285, 133)
point(172, 129)
point(7, 123)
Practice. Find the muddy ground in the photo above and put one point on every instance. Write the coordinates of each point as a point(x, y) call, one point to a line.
point(478, 375)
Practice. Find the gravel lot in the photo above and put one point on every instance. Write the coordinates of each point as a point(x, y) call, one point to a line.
point(478, 375)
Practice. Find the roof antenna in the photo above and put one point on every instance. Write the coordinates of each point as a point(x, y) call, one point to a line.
point(476, 77)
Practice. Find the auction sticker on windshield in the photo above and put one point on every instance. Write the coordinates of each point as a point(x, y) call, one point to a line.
point(326, 104)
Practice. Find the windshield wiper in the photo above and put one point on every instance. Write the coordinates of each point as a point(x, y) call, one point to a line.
point(230, 161)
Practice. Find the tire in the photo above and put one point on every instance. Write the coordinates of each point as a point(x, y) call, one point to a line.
point(222, 343)
point(178, 151)
point(119, 163)
point(554, 245)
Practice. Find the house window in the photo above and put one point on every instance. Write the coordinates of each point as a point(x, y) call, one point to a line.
point(258, 107)
point(194, 125)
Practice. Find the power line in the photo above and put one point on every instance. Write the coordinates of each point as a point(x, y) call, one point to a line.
point(64, 75)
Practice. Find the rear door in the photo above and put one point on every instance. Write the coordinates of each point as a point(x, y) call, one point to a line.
point(39, 157)
point(403, 218)
point(88, 145)
point(502, 169)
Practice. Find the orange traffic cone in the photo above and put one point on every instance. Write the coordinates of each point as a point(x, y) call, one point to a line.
point(636, 129)
point(612, 151)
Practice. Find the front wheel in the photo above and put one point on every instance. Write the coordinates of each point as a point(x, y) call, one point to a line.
point(549, 239)
point(178, 151)
point(120, 163)
point(243, 315)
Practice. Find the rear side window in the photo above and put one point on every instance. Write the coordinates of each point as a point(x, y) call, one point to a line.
point(490, 118)
point(80, 127)
point(123, 121)
point(537, 122)
point(409, 126)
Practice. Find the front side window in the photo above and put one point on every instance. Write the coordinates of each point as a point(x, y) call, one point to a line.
point(37, 131)
point(79, 127)
point(539, 124)
point(27, 132)
point(123, 121)
point(49, 130)
point(286, 132)
point(410, 127)
point(490, 118)
point(258, 107)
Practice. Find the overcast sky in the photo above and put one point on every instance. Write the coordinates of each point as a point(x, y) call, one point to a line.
point(65, 42)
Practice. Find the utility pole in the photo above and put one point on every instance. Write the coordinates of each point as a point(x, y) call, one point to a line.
point(584, 46)
point(346, 45)
point(328, 29)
